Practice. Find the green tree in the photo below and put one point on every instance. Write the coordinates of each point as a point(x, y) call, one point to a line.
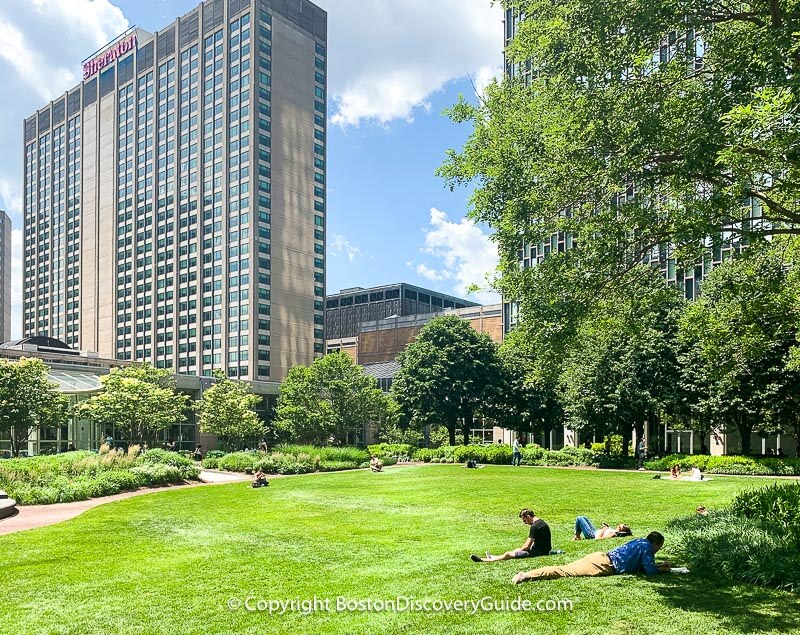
point(644, 123)
point(448, 373)
point(226, 410)
point(531, 400)
point(622, 369)
point(28, 400)
point(741, 330)
point(140, 400)
point(329, 400)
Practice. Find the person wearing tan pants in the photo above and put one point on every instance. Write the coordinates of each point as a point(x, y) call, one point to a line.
point(633, 557)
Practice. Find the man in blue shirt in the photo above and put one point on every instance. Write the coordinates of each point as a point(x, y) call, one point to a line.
point(633, 557)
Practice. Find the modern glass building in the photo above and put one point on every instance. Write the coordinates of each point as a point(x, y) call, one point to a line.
point(175, 199)
point(5, 277)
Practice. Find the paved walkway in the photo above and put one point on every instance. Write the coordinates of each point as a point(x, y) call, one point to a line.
point(33, 516)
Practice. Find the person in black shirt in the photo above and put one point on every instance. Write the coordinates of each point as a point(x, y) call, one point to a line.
point(538, 542)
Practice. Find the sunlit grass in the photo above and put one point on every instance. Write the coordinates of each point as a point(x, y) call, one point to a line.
point(170, 562)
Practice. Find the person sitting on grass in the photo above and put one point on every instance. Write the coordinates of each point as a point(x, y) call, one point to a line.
point(636, 556)
point(260, 479)
point(375, 464)
point(675, 471)
point(585, 528)
point(538, 543)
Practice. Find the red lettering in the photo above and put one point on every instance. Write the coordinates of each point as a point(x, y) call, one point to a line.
point(108, 56)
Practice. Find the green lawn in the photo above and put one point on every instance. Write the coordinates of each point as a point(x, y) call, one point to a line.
point(169, 562)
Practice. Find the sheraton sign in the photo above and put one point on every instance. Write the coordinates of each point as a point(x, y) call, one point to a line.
point(109, 55)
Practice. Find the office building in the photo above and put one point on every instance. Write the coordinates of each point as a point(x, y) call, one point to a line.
point(346, 310)
point(5, 277)
point(175, 199)
point(382, 340)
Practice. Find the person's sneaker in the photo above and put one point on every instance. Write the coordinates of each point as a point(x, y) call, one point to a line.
point(556, 552)
point(476, 558)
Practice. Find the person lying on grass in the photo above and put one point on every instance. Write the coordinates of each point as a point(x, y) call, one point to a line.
point(538, 542)
point(585, 528)
point(635, 556)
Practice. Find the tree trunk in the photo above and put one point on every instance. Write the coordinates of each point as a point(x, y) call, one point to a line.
point(547, 429)
point(451, 430)
point(469, 418)
point(626, 442)
point(745, 431)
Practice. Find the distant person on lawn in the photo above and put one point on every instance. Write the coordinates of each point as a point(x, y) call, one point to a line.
point(516, 457)
point(641, 453)
point(585, 529)
point(375, 464)
point(538, 543)
point(636, 556)
point(260, 479)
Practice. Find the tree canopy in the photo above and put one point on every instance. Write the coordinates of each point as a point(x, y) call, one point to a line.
point(328, 401)
point(448, 373)
point(28, 400)
point(226, 410)
point(647, 123)
point(742, 330)
point(140, 400)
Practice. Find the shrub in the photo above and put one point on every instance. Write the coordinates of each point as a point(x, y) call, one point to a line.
point(731, 464)
point(756, 539)
point(333, 466)
point(164, 457)
point(159, 474)
point(114, 481)
point(489, 454)
point(776, 506)
point(239, 462)
point(532, 454)
point(397, 450)
point(215, 454)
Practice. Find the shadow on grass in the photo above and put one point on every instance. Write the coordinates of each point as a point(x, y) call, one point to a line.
point(739, 607)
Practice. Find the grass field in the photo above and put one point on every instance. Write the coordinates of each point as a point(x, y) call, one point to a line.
point(170, 562)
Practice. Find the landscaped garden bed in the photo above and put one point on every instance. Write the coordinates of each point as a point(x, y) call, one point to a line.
point(75, 476)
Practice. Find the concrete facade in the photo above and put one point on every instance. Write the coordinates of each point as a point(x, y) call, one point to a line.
point(5, 276)
point(175, 203)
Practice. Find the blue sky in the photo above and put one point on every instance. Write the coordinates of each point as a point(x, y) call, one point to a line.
point(393, 67)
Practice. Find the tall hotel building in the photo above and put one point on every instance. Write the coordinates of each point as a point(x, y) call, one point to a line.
point(5, 277)
point(175, 199)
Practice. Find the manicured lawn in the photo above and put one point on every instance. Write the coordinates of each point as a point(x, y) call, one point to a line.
point(169, 562)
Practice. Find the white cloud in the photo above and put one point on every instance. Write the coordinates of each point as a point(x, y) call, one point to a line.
point(42, 46)
point(431, 274)
point(44, 42)
point(466, 253)
point(16, 284)
point(387, 58)
point(341, 246)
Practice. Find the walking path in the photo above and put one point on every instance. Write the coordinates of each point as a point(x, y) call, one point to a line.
point(33, 516)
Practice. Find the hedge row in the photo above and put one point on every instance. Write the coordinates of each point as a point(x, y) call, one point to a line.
point(292, 459)
point(731, 464)
point(531, 455)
